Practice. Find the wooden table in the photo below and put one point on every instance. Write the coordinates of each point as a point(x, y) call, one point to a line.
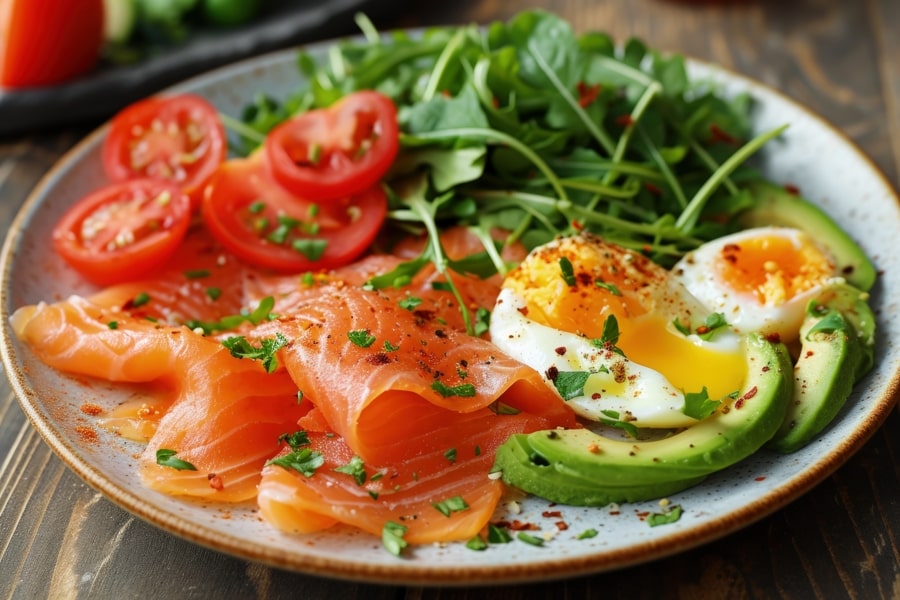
point(60, 539)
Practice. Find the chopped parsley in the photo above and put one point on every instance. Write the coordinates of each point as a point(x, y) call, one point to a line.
point(568, 272)
point(463, 390)
point(609, 287)
point(698, 405)
point(303, 460)
point(671, 515)
point(451, 505)
point(530, 539)
point(482, 321)
point(610, 336)
point(612, 419)
point(713, 324)
point(389, 347)
point(196, 273)
point(410, 303)
point(140, 300)
point(295, 440)
point(356, 468)
point(361, 337)
point(570, 384)
point(498, 535)
point(166, 458)
point(450, 454)
point(587, 534)
point(263, 312)
point(213, 293)
point(392, 537)
point(113, 324)
point(265, 352)
point(477, 543)
point(313, 249)
point(830, 323)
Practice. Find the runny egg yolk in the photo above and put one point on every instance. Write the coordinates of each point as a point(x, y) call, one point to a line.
point(609, 280)
point(774, 269)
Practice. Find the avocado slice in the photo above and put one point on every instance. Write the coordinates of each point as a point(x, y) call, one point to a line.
point(833, 356)
point(774, 205)
point(580, 467)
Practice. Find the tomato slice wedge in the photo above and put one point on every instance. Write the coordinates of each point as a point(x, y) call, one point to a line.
point(172, 138)
point(267, 226)
point(124, 230)
point(335, 152)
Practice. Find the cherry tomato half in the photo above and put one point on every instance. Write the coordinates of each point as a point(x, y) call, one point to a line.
point(335, 152)
point(44, 42)
point(124, 230)
point(266, 225)
point(175, 138)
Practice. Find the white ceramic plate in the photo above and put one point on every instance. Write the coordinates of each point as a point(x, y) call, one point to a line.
point(829, 170)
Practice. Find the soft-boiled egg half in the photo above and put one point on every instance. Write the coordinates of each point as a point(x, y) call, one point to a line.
point(760, 279)
point(551, 315)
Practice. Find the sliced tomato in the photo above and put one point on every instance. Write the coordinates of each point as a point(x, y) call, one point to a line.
point(171, 138)
point(44, 42)
point(266, 225)
point(124, 230)
point(332, 153)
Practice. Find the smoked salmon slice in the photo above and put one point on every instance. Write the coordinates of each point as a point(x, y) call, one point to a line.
point(222, 414)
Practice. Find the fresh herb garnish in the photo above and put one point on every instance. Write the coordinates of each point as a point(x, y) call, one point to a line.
point(612, 419)
point(303, 460)
point(392, 537)
point(166, 458)
point(587, 534)
point(140, 300)
point(671, 515)
point(356, 468)
point(464, 390)
point(568, 272)
point(570, 384)
point(262, 312)
point(477, 543)
point(498, 535)
point(451, 505)
point(410, 302)
point(530, 539)
point(361, 338)
point(609, 287)
point(698, 405)
point(240, 347)
point(295, 440)
point(197, 273)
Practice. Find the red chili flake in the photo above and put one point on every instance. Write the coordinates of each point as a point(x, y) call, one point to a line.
point(653, 188)
point(595, 396)
point(760, 478)
point(561, 525)
point(587, 93)
point(792, 189)
point(495, 102)
point(702, 329)
point(517, 525)
point(552, 373)
point(765, 369)
point(809, 354)
point(561, 350)
point(717, 134)
point(646, 249)
point(551, 514)
point(750, 393)
point(774, 337)
point(379, 358)
point(215, 482)
point(445, 93)
point(577, 225)
point(643, 515)
point(86, 434)
point(91, 409)
point(624, 120)
point(523, 310)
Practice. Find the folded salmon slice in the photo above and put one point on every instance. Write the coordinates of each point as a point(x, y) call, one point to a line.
point(438, 495)
point(221, 414)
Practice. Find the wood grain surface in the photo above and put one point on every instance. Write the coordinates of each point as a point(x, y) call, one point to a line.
point(841, 58)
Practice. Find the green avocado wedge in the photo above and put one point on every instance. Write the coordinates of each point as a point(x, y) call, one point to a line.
point(580, 467)
point(837, 350)
point(774, 205)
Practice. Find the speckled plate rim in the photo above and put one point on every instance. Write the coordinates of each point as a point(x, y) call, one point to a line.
point(542, 564)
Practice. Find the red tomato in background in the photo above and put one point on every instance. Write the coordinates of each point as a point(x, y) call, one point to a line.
point(179, 139)
point(43, 42)
point(266, 225)
point(335, 152)
point(123, 231)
